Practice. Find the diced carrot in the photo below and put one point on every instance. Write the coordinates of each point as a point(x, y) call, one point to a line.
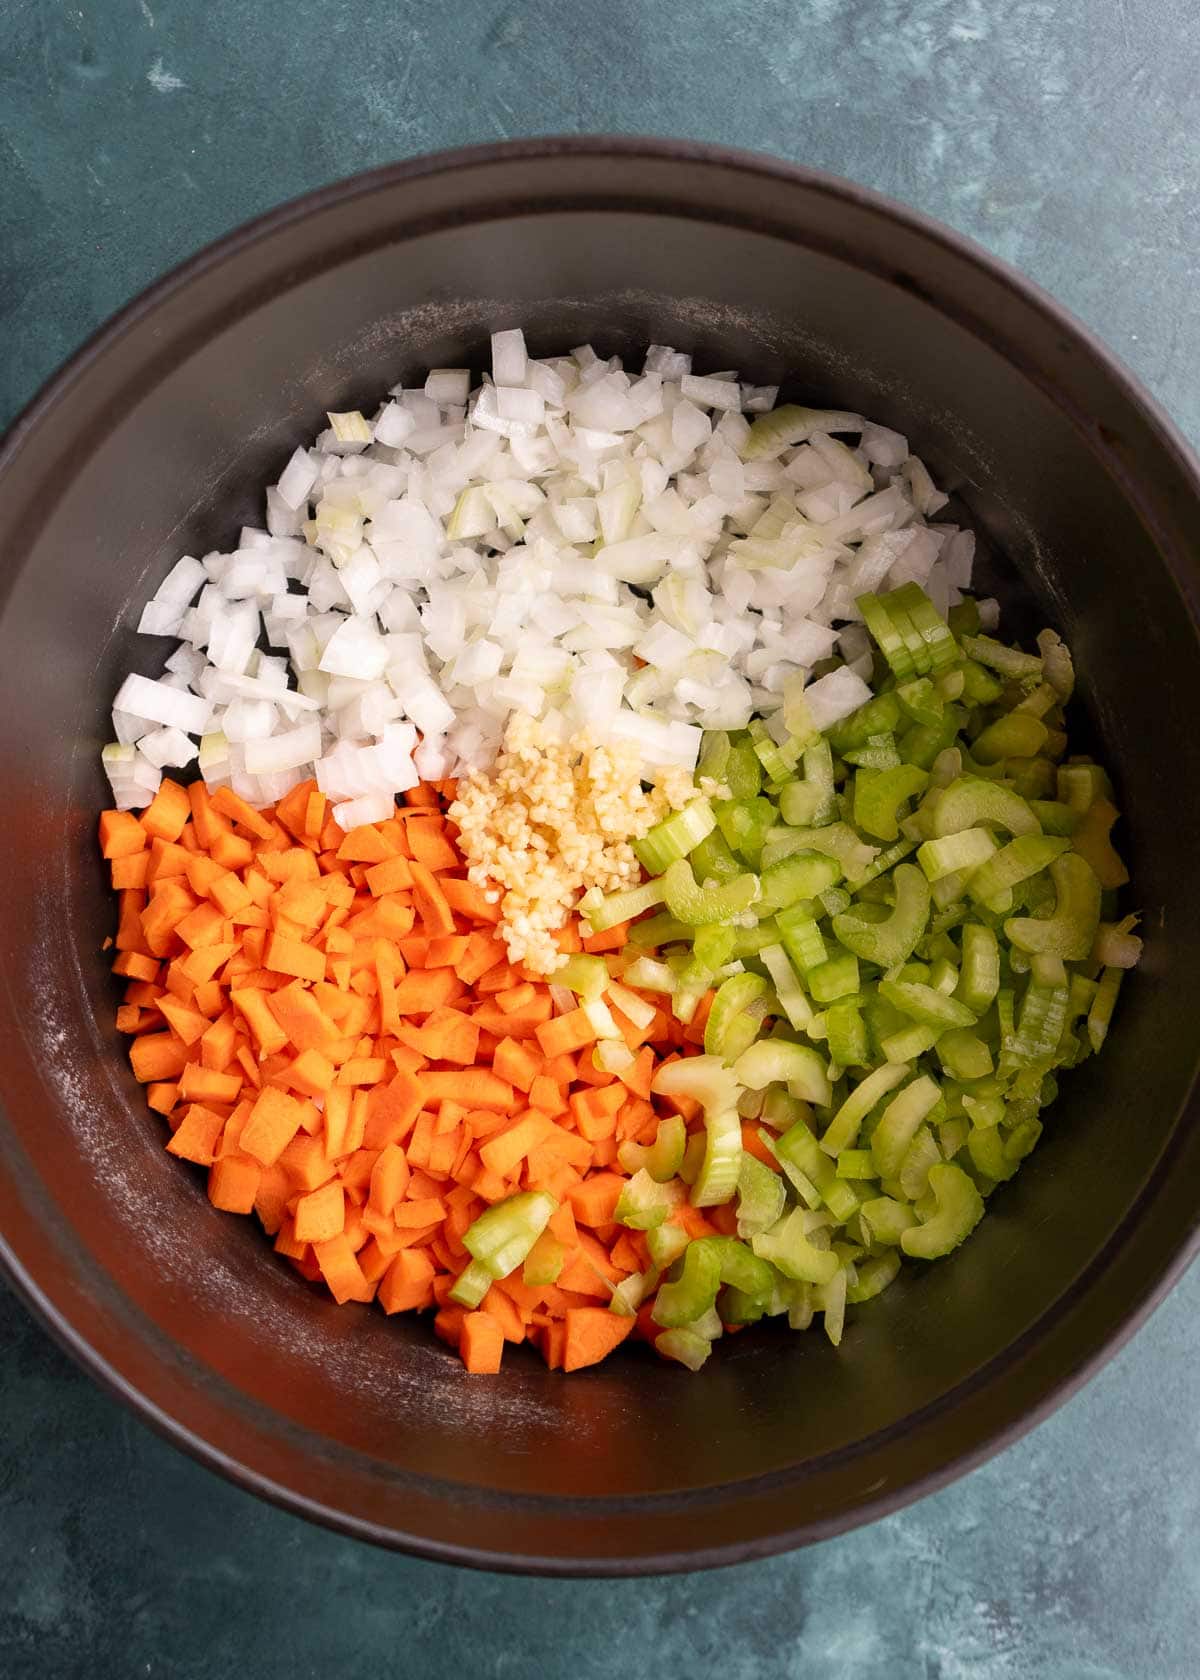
point(364, 845)
point(389, 1178)
point(594, 1201)
point(121, 834)
point(321, 1214)
point(566, 1033)
point(341, 1271)
point(515, 1062)
point(407, 1285)
point(392, 875)
point(302, 1018)
point(292, 956)
point(478, 1087)
point(448, 1323)
point(195, 1138)
point(157, 1057)
point(421, 991)
point(612, 939)
point(200, 1084)
point(591, 1335)
point(274, 1122)
point(231, 805)
point(233, 1184)
point(164, 817)
point(429, 1210)
point(481, 1343)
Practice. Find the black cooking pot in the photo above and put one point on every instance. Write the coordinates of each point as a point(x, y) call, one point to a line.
point(157, 440)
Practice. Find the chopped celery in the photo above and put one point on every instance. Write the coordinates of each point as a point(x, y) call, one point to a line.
point(856, 1163)
point(963, 1054)
point(1070, 931)
point(688, 1347)
point(788, 1246)
point(645, 1202)
point(979, 974)
point(971, 802)
point(743, 773)
point(761, 1197)
point(775, 1061)
point(956, 854)
point(695, 905)
point(674, 838)
point(713, 861)
point(505, 1232)
point(873, 1277)
point(738, 1011)
point(1016, 735)
point(801, 937)
point(714, 754)
point(889, 941)
point(666, 1243)
point(788, 990)
point(1027, 855)
point(472, 1284)
point(604, 912)
point(843, 1128)
point(925, 1004)
point(707, 1263)
point(885, 1219)
point(959, 1210)
point(544, 1261)
point(586, 975)
point(1100, 1013)
point(663, 1158)
point(899, 1123)
point(628, 1295)
point(849, 1044)
point(801, 875)
point(879, 794)
point(837, 977)
point(1009, 662)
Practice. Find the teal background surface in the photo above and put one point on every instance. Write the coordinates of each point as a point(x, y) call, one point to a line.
point(1061, 136)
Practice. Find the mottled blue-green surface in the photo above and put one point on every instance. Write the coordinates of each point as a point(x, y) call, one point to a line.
point(1061, 135)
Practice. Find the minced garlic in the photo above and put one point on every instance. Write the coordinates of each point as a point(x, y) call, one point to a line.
point(552, 819)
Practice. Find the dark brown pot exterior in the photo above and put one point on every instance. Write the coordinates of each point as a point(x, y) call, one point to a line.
point(156, 440)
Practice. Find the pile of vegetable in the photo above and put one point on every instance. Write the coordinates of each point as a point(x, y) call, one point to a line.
point(811, 1041)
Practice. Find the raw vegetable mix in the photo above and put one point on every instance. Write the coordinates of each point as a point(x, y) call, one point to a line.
point(645, 899)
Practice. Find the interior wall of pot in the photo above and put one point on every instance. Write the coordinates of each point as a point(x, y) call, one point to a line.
point(179, 439)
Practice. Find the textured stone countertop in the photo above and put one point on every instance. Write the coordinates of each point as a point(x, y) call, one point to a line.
point(1059, 133)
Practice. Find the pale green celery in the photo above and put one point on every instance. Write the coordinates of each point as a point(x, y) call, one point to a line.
point(843, 1128)
point(657, 931)
point(1070, 931)
point(926, 1004)
point(979, 974)
point(1009, 662)
point(856, 1163)
point(838, 840)
point(663, 1158)
point(1100, 1013)
point(878, 753)
point(714, 754)
point(1040, 1025)
point(606, 911)
point(686, 1346)
point(879, 794)
point(771, 1061)
point(761, 1197)
point(666, 1243)
point(829, 1299)
point(837, 977)
point(650, 976)
point(708, 1262)
point(801, 938)
point(907, 1043)
point(675, 836)
point(885, 1219)
point(1016, 735)
point(849, 1044)
point(695, 905)
point(790, 424)
point(788, 990)
point(644, 1202)
point(985, 1146)
point(892, 940)
point(472, 1284)
point(585, 975)
point(873, 1276)
point(956, 854)
point(1027, 855)
point(921, 1154)
point(628, 1295)
point(971, 802)
point(1081, 784)
point(799, 875)
point(963, 1054)
point(900, 1121)
point(505, 1232)
point(738, 1010)
point(788, 1247)
point(959, 1210)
